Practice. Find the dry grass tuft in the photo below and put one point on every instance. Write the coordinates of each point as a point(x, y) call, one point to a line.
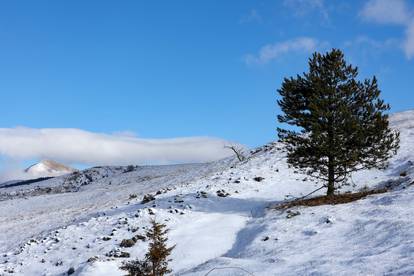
point(325, 200)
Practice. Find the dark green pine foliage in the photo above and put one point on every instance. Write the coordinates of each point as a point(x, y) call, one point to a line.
point(340, 123)
point(156, 259)
point(158, 252)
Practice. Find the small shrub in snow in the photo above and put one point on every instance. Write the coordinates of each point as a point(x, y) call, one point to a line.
point(147, 198)
point(222, 193)
point(201, 194)
point(134, 229)
point(137, 268)
point(116, 253)
point(92, 259)
point(127, 243)
point(129, 168)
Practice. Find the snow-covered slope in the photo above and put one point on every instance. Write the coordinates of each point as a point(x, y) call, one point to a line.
point(48, 168)
point(219, 219)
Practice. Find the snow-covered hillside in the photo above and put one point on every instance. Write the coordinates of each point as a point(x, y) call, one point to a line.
point(219, 219)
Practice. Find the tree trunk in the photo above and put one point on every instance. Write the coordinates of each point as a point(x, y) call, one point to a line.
point(331, 178)
point(331, 162)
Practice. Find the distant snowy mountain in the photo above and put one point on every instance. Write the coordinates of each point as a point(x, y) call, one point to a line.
point(48, 168)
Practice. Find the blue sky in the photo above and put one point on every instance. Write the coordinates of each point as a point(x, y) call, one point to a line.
point(164, 69)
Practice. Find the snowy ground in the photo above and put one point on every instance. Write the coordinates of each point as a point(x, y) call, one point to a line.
point(47, 231)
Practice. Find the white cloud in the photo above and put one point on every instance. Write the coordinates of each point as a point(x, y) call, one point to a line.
point(386, 11)
point(392, 12)
point(270, 52)
point(304, 7)
point(409, 41)
point(366, 51)
point(374, 45)
point(79, 146)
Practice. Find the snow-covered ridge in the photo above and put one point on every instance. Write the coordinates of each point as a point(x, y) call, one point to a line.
point(402, 120)
point(218, 217)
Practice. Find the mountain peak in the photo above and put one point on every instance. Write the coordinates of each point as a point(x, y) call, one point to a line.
point(47, 168)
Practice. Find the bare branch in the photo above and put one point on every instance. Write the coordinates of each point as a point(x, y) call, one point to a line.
point(238, 151)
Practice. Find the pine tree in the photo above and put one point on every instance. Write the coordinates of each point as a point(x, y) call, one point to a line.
point(158, 253)
point(340, 123)
point(156, 259)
